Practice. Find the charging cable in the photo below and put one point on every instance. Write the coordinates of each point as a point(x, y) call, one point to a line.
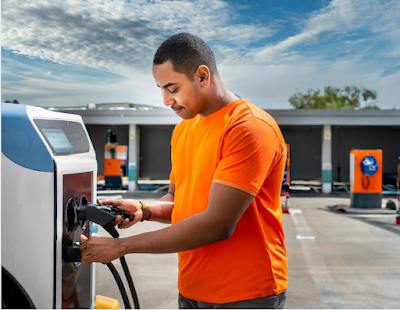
point(120, 285)
point(104, 215)
point(113, 232)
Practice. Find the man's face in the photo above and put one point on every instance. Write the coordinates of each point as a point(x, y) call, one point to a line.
point(178, 91)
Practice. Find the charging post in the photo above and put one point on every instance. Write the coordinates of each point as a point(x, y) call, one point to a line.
point(49, 173)
point(366, 178)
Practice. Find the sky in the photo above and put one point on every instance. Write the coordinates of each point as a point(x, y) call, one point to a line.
point(66, 53)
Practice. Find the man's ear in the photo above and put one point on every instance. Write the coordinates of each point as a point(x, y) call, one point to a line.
point(203, 76)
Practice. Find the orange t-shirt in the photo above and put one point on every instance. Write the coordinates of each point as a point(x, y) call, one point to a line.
point(240, 146)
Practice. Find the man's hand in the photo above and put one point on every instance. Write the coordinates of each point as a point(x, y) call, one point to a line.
point(217, 223)
point(99, 249)
point(129, 205)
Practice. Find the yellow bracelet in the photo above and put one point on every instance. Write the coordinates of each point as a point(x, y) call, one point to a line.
point(146, 211)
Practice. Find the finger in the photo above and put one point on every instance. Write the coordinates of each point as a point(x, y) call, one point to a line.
point(85, 244)
point(86, 260)
point(82, 247)
point(124, 224)
point(137, 218)
point(117, 220)
point(114, 202)
point(107, 202)
point(85, 250)
point(84, 238)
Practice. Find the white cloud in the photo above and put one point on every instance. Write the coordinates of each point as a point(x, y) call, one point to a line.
point(270, 86)
point(122, 37)
point(338, 18)
point(113, 35)
point(388, 91)
point(60, 92)
point(355, 41)
point(268, 76)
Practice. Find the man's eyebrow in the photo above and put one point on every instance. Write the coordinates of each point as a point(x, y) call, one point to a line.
point(166, 85)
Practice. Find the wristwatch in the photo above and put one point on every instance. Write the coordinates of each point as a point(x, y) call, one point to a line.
point(146, 211)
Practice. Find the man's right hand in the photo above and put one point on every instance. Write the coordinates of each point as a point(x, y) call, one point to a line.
point(129, 205)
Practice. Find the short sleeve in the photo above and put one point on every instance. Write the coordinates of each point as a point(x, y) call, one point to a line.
point(250, 151)
point(172, 173)
point(172, 176)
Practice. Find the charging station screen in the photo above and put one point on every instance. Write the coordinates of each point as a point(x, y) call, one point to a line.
point(58, 140)
point(64, 137)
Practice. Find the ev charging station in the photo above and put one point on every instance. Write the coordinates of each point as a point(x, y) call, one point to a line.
point(366, 178)
point(49, 170)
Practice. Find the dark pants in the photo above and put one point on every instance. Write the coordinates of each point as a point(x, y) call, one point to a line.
point(269, 302)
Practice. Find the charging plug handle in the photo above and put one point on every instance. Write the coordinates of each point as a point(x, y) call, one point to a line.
point(102, 214)
point(72, 253)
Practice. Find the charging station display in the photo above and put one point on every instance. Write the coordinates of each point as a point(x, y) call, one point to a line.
point(63, 137)
point(58, 140)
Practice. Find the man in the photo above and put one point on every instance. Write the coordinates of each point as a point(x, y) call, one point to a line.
point(228, 158)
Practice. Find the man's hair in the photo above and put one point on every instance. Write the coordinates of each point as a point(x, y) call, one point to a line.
point(186, 53)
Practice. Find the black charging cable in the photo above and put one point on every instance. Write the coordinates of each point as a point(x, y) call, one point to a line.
point(363, 177)
point(130, 282)
point(120, 285)
point(104, 215)
point(113, 232)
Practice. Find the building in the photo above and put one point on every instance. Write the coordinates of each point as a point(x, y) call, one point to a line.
point(320, 140)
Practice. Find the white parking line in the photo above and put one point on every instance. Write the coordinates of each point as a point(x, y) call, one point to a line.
point(304, 237)
point(322, 278)
point(371, 215)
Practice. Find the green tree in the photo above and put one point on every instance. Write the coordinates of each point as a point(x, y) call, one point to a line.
point(348, 98)
point(9, 101)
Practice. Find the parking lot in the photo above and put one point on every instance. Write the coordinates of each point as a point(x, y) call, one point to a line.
point(336, 260)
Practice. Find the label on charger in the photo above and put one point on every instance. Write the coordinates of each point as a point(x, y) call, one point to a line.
point(369, 165)
point(94, 229)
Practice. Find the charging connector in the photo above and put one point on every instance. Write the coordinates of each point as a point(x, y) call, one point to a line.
point(101, 214)
point(72, 253)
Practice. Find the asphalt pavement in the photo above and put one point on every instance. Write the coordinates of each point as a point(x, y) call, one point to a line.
point(336, 260)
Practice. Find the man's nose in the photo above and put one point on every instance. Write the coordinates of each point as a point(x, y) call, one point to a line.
point(167, 99)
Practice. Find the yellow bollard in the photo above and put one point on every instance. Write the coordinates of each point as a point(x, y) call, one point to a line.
point(104, 302)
